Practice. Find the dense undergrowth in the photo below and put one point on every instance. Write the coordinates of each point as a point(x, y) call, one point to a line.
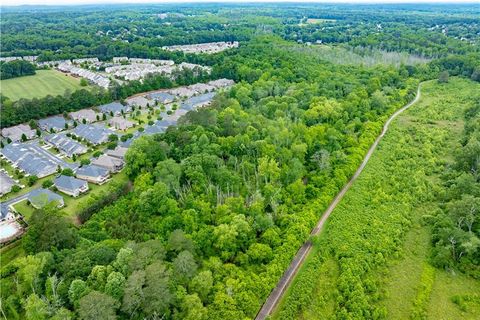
point(368, 227)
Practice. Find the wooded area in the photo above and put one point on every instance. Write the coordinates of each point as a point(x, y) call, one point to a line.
point(218, 205)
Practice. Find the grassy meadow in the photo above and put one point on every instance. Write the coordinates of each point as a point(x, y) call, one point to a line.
point(45, 82)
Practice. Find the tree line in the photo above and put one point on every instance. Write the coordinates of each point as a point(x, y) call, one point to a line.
point(25, 110)
point(16, 68)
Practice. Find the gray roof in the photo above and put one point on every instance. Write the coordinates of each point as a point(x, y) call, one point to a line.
point(29, 160)
point(15, 133)
point(6, 182)
point(66, 144)
point(160, 126)
point(163, 97)
point(88, 114)
point(115, 107)
point(107, 161)
point(118, 152)
point(69, 183)
point(197, 101)
point(94, 133)
point(139, 101)
point(221, 83)
point(92, 171)
point(56, 123)
point(41, 197)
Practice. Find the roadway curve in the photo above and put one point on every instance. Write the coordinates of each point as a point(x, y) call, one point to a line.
point(304, 250)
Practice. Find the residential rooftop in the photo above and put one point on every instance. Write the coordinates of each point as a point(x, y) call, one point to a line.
point(15, 133)
point(57, 123)
point(39, 198)
point(66, 145)
point(114, 107)
point(93, 133)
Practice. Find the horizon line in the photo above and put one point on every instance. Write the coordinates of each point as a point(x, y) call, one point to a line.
point(131, 2)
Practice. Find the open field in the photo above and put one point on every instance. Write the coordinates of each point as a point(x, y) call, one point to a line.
point(372, 260)
point(45, 82)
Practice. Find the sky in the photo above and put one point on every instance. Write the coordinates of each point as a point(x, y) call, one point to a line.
point(73, 2)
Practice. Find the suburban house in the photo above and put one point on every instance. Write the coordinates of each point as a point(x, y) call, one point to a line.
point(94, 133)
point(28, 158)
point(114, 108)
point(93, 174)
point(221, 83)
point(209, 47)
point(110, 163)
point(120, 123)
point(54, 124)
point(198, 101)
point(120, 59)
point(6, 182)
point(39, 198)
point(161, 97)
point(201, 87)
point(140, 102)
point(98, 79)
point(119, 152)
point(88, 114)
point(6, 213)
point(70, 185)
point(16, 133)
point(182, 92)
point(66, 145)
point(88, 60)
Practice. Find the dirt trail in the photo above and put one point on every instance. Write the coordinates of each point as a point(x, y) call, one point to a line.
point(304, 250)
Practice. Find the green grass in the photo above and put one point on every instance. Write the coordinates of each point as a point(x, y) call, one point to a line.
point(45, 82)
point(445, 288)
point(403, 275)
point(378, 224)
point(72, 205)
point(24, 209)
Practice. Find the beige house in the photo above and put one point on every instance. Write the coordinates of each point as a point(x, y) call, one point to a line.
point(88, 114)
point(110, 163)
point(120, 123)
point(119, 152)
point(15, 133)
point(93, 174)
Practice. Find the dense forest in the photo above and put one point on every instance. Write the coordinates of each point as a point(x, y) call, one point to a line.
point(456, 235)
point(17, 68)
point(217, 206)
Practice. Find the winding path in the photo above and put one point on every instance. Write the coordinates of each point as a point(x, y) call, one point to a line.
point(304, 250)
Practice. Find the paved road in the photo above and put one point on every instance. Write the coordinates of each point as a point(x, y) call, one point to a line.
point(5, 206)
point(304, 250)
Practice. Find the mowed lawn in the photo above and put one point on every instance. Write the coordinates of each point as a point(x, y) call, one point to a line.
point(45, 82)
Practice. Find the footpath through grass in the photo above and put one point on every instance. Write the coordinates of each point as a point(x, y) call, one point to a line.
point(45, 82)
point(372, 259)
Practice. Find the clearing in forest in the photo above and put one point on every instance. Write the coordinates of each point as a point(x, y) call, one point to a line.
point(45, 82)
point(372, 259)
